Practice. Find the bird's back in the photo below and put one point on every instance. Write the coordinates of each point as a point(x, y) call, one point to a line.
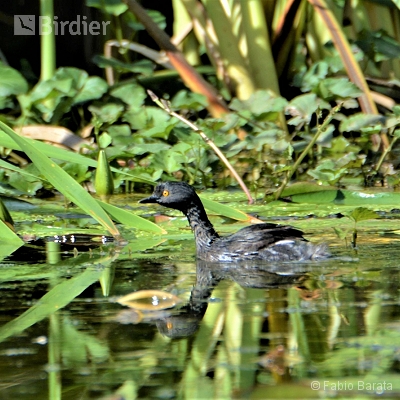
point(269, 242)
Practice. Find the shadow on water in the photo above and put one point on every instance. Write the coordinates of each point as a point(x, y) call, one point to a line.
point(323, 329)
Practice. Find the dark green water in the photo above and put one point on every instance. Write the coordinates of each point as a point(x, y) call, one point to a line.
point(266, 332)
point(327, 329)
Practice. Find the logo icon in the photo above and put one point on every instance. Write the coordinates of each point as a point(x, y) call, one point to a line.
point(24, 24)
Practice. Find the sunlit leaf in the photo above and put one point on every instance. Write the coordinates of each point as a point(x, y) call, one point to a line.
point(348, 198)
point(10, 240)
point(227, 211)
point(302, 108)
point(103, 181)
point(63, 182)
point(130, 219)
point(64, 155)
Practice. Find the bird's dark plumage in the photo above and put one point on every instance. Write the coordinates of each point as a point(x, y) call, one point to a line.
point(269, 242)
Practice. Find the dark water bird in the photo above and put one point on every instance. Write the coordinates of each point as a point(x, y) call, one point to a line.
point(268, 242)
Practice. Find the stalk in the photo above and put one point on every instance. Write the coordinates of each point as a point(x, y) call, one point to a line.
point(47, 43)
point(234, 62)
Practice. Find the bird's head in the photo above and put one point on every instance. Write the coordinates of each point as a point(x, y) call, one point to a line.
point(177, 195)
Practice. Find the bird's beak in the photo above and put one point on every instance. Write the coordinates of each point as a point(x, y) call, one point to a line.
point(151, 199)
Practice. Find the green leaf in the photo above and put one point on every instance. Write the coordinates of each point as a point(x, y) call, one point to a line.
point(168, 160)
point(56, 96)
point(103, 181)
point(261, 102)
point(129, 219)
point(144, 67)
point(358, 121)
point(224, 210)
point(11, 82)
point(9, 239)
point(114, 7)
point(348, 198)
point(93, 89)
point(316, 73)
point(305, 187)
point(11, 167)
point(64, 155)
point(362, 214)
point(131, 94)
point(108, 113)
point(189, 100)
point(333, 88)
point(303, 107)
point(64, 183)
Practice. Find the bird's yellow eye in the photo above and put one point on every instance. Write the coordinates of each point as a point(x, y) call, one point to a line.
point(165, 193)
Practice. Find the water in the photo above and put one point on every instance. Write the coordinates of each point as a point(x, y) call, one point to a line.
point(320, 330)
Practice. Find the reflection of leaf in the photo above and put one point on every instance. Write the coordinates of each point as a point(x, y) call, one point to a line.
point(149, 300)
point(362, 214)
point(79, 347)
point(58, 297)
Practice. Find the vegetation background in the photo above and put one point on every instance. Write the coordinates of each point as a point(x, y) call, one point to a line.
point(288, 91)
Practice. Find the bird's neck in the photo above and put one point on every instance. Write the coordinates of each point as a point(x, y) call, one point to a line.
point(202, 228)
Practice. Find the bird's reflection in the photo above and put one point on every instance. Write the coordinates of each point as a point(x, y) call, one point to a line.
point(208, 275)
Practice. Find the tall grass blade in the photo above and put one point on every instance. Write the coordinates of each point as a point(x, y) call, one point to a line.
point(63, 182)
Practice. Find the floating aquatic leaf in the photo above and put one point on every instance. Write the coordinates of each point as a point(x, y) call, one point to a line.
point(149, 300)
point(326, 195)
